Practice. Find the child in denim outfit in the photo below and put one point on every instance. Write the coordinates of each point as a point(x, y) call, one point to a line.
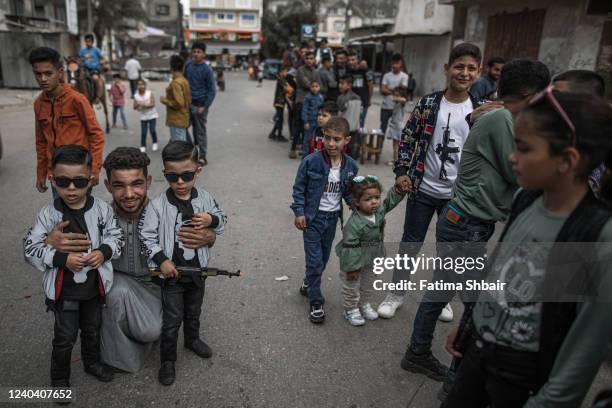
point(320, 185)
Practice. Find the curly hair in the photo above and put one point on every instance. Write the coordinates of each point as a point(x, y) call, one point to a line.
point(126, 158)
point(358, 189)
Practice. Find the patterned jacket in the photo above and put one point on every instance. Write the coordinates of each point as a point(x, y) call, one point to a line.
point(416, 138)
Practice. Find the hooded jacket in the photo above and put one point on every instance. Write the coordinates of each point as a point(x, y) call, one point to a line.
point(104, 233)
point(70, 119)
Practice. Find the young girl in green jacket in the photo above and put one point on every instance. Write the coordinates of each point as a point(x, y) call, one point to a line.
point(362, 241)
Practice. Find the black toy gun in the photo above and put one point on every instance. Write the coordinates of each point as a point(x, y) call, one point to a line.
point(202, 272)
point(465, 330)
point(444, 151)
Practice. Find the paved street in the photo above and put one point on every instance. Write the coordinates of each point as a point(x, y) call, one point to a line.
point(266, 352)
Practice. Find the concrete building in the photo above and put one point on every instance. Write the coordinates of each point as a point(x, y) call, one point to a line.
point(166, 15)
point(422, 33)
point(332, 22)
point(564, 34)
point(27, 24)
point(232, 25)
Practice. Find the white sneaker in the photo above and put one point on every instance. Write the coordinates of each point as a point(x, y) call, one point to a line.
point(368, 312)
point(143, 149)
point(447, 314)
point(354, 317)
point(388, 306)
point(154, 147)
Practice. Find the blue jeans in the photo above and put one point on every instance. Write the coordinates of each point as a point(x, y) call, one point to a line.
point(318, 239)
point(177, 134)
point(119, 108)
point(448, 235)
point(419, 212)
point(198, 123)
point(146, 125)
point(362, 116)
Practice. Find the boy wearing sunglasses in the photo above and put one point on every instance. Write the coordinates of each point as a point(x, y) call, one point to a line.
point(182, 296)
point(75, 283)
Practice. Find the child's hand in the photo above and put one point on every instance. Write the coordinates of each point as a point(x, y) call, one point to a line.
point(75, 261)
point(163, 99)
point(95, 259)
point(300, 223)
point(403, 184)
point(201, 220)
point(168, 269)
point(307, 126)
point(352, 276)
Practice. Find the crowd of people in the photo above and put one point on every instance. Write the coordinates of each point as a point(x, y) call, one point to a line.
point(523, 148)
point(311, 76)
point(529, 150)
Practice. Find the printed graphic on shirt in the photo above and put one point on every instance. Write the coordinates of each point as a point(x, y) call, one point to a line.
point(445, 151)
point(185, 253)
point(514, 317)
point(332, 192)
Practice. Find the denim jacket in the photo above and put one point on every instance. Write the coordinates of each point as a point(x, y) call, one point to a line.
point(311, 179)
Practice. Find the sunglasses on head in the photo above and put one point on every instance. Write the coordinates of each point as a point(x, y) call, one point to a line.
point(361, 179)
point(64, 182)
point(186, 176)
point(550, 97)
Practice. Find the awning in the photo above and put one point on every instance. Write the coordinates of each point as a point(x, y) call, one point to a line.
point(233, 48)
point(390, 36)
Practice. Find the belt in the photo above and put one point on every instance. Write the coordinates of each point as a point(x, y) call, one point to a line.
point(455, 215)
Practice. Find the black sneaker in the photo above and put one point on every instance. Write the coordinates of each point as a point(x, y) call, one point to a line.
point(317, 314)
point(100, 371)
point(166, 374)
point(200, 348)
point(281, 138)
point(424, 364)
point(272, 135)
point(304, 288)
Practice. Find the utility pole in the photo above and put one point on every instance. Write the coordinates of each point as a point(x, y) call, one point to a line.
point(89, 17)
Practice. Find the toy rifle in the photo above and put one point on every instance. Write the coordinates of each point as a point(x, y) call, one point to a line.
point(444, 151)
point(195, 271)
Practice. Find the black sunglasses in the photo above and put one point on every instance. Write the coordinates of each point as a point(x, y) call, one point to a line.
point(186, 176)
point(64, 182)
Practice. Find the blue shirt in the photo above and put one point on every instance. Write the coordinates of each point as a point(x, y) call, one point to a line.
point(91, 57)
point(202, 83)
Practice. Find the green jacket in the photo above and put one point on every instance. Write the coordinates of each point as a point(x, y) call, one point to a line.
point(362, 241)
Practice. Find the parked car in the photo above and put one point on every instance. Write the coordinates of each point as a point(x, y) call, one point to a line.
point(271, 68)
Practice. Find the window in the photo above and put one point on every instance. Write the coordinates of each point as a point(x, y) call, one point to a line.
point(201, 18)
point(226, 17)
point(339, 26)
point(248, 20)
point(243, 3)
point(206, 3)
point(162, 10)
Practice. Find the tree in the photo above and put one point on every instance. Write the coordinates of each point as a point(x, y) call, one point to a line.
point(110, 15)
point(285, 25)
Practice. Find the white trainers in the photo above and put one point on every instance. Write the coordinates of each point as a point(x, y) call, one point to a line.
point(354, 317)
point(447, 314)
point(368, 312)
point(143, 149)
point(388, 306)
point(155, 147)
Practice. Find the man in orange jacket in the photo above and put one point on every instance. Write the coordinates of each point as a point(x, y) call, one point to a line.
point(63, 116)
